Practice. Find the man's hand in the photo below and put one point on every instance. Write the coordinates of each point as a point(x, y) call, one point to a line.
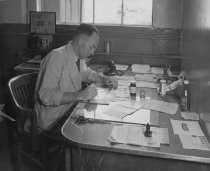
point(88, 93)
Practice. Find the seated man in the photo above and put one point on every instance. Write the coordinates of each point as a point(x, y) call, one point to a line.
point(59, 83)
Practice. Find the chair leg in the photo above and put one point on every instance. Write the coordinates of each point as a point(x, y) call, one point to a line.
point(68, 158)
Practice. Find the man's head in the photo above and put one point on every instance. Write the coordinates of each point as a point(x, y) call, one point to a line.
point(85, 40)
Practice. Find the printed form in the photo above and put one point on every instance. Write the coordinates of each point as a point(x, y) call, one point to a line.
point(190, 134)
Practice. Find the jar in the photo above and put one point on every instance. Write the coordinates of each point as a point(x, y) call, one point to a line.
point(142, 93)
point(162, 87)
point(185, 98)
point(133, 88)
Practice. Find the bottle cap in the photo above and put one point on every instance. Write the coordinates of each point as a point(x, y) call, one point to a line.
point(163, 81)
point(186, 81)
point(133, 82)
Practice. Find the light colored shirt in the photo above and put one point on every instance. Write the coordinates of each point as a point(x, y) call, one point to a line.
point(58, 74)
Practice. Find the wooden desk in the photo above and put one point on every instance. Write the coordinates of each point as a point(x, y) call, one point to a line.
point(91, 150)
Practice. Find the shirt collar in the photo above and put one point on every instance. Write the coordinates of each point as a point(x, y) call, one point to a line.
point(72, 52)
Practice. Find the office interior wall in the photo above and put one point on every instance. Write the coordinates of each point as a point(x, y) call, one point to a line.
point(167, 13)
point(13, 11)
point(153, 45)
point(196, 53)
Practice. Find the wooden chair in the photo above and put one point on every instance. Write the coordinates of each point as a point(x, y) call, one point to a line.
point(32, 144)
point(22, 91)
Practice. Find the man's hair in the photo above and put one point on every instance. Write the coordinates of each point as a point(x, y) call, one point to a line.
point(85, 29)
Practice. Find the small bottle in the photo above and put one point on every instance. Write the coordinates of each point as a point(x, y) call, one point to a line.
point(142, 94)
point(185, 98)
point(162, 87)
point(133, 88)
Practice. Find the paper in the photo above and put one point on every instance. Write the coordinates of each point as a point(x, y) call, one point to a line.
point(145, 77)
point(119, 111)
point(124, 82)
point(163, 135)
point(134, 135)
point(138, 68)
point(99, 101)
point(194, 142)
point(125, 77)
point(161, 106)
point(121, 67)
point(122, 93)
point(186, 128)
point(132, 104)
point(156, 70)
point(190, 115)
point(146, 84)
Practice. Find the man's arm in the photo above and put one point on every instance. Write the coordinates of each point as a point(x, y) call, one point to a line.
point(87, 94)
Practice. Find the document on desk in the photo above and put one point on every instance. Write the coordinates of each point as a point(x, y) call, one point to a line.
point(122, 109)
point(194, 142)
point(146, 84)
point(124, 77)
point(134, 135)
point(183, 127)
point(120, 94)
point(121, 67)
point(124, 80)
point(161, 106)
point(190, 134)
point(119, 111)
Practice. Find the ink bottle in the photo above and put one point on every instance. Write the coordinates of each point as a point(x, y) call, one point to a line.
point(133, 88)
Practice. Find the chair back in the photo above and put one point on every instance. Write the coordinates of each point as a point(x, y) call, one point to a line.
point(22, 89)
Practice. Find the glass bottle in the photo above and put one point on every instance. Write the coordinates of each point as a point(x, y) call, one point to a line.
point(133, 88)
point(162, 87)
point(185, 98)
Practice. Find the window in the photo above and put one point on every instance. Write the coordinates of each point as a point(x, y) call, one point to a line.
point(123, 12)
point(114, 12)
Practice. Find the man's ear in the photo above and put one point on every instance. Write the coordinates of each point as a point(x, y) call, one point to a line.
point(80, 41)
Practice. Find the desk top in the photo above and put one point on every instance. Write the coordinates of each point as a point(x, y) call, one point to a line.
point(95, 136)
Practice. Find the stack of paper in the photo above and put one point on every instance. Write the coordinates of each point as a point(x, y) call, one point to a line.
point(134, 135)
point(121, 67)
point(120, 94)
point(124, 80)
point(156, 70)
point(190, 115)
point(161, 106)
point(145, 77)
point(125, 77)
point(138, 68)
point(190, 134)
point(146, 84)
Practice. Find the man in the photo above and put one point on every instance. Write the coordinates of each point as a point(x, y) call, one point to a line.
point(62, 71)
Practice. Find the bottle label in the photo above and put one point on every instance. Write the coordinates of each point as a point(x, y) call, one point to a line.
point(163, 89)
point(133, 90)
point(184, 103)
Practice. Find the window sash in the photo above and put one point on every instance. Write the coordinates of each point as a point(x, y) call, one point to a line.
point(77, 11)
